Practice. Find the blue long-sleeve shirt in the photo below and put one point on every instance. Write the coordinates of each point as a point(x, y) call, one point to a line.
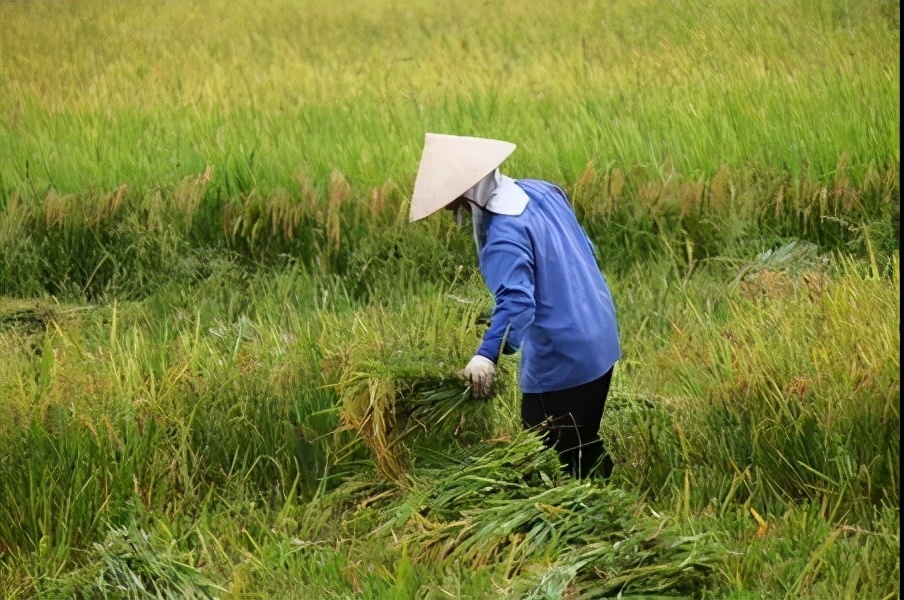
point(552, 302)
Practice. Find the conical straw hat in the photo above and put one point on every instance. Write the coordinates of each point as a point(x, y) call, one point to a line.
point(450, 166)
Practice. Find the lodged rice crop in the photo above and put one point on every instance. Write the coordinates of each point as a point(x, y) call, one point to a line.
point(451, 484)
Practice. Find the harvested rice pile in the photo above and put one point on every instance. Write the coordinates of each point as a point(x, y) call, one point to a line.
point(505, 506)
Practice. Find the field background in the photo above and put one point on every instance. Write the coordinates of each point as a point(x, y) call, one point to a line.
point(213, 309)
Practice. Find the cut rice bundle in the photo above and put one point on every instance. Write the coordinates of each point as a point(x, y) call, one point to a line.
point(396, 380)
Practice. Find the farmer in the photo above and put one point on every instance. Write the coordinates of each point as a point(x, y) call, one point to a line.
point(552, 302)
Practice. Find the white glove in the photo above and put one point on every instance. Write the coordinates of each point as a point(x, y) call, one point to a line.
point(479, 373)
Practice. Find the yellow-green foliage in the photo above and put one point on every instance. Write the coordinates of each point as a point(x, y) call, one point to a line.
point(137, 137)
point(794, 382)
point(95, 95)
point(819, 340)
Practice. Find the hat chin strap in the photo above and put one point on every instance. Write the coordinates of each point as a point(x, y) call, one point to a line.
point(479, 224)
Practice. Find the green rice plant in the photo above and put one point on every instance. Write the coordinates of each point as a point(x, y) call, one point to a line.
point(149, 242)
point(238, 397)
point(227, 186)
point(134, 563)
point(59, 490)
point(801, 554)
point(695, 85)
point(160, 156)
point(109, 408)
point(794, 382)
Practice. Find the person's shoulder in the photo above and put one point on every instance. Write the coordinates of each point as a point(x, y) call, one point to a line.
point(540, 187)
point(533, 183)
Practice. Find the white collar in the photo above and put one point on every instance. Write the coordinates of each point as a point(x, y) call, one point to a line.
point(498, 194)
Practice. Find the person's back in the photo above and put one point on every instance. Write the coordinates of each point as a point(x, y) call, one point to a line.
point(572, 336)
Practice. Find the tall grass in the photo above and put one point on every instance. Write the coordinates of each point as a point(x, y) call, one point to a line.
point(784, 389)
point(96, 94)
point(127, 245)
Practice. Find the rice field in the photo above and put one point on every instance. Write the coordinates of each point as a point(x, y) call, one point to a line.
point(228, 362)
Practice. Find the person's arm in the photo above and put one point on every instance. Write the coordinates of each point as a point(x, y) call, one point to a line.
point(508, 270)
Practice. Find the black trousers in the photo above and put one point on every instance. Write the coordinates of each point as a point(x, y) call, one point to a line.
point(569, 421)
